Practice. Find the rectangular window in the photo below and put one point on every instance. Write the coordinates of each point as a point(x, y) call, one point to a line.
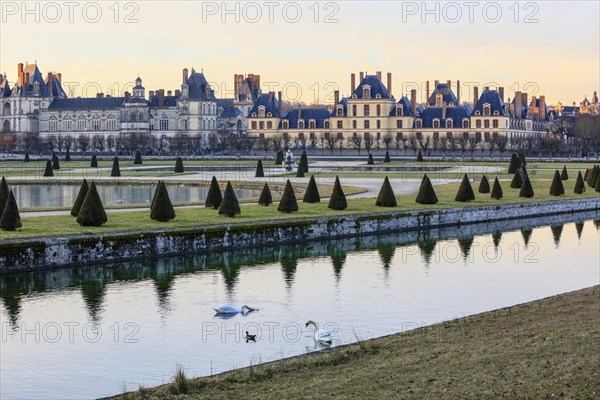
point(261, 125)
point(495, 123)
point(96, 124)
point(354, 124)
point(486, 123)
point(253, 124)
point(367, 124)
point(399, 124)
point(378, 124)
point(340, 124)
point(367, 110)
point(478, 123)
point(354, 110)
point(164, 124)
point(378, 110)
point(269, 125)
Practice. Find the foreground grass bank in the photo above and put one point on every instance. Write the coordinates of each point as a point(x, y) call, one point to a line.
point(65, 225)
point(544, 349)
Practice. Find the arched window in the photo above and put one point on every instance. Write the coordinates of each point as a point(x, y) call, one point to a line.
point(111, 123)
point(340, 111)
point(366, 92)
point(253, 115)
point(6, 126)
point(261, 111)
point(163, 123)
point(140, 116)
point(285, 124)
point(486, 110)
point(438, 99)
point(6, 109)
point(133, 116)
point(496, 112)
point(81, 123)
point(96, 123)
point(67, 124)
point(399, 111)
point(300, 124)
point(53, 124)
point(449, 123)
point(436, 123)
point(312, 124)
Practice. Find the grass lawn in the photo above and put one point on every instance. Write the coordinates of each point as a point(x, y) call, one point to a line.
point(541, 350)
point(187, 217)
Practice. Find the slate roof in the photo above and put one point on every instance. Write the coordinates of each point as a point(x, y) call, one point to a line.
point(407, 108)
point(199, 88)
point(57, 90)
point(492, 98)
point(269, 102)
point(446, 92)
point(5, 90)
point(138, 100)
point(170, 101)
point(343, 102)
point(457, 114)
point(377, 87)
point(34, 76)
point(318, 114)
point(91, 103)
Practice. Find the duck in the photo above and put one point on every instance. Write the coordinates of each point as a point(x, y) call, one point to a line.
point(323, 336)
point(227, 309)
point(250, 338)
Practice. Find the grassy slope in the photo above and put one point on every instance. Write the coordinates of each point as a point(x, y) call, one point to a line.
point(545, 349)
point(187, 217)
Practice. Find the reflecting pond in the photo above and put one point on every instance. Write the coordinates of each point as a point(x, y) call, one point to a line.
point(94, 331)
point(64, 195)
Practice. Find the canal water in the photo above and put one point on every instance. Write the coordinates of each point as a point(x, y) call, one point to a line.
point(96, 331)
point(64, 195)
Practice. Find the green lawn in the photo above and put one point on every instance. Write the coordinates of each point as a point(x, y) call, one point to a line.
point(188, 217)
point(542, 350)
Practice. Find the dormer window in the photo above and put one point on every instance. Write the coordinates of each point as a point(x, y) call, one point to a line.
point(261, 112)
point(285, 124)
point(451, 104)
point(253, 115)
point(465, 123)
point(300, 124)
point(326, 124)
point(486, 110)
point(340, 111)
point(377, 96)
point(312, 124)
point(418, 124)
point(477, 112)
point(399, 111)
point(496, 112)
point(436, 123)
point(366, 92)
point(449, 123)
point(354, 96)
point(269, 114)
point(36, 87)
point(438, 100)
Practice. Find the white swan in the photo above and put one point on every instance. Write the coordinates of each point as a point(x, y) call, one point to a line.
point(323, 336)
point(227, 309)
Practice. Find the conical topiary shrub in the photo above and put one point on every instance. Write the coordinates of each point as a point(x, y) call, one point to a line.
point(162, 209)
point(337, 201)
point(304, 161)
point(300, 171)
point(288, 203)
point(213, 197)
point(484, 185)
point(426, 193)
point(68, 155)
point(579, 185)
point(594, 178)
point(4, 192)
point(526, 188)
point(55, 162)
point(230, 205)
point(465, 191)
point(515, 163)
point(279, 157)
point(497, 190)
point(48, 171)
point(522, 159)
point(26, 159)
point(517, 181)
point(387, 159)
point(116, 171)
point(265, 198)
point(80, 197)
point(370, 160)
point(138, 158)
point(92, 210)
point(10, 219)
point(557, 188)
point(94, 163)
point(386, 197)
point(564, 175)
point(586, 176)
point(260, 173)
point(311, 195)
point(179, 165)
point(419, 156)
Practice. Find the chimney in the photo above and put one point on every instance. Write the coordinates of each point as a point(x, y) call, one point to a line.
point(336, 96)
point(524, 99)
point(449, 82)
point(127, 96)
point(59, 77)
point(251, 82)
point(379, 75)
point(436, 83)
point(161, 97)
point(534, 114)
point(151, 93)
point(20, 73)
point(108, 96)
point(475, 95)
point(362, 76)
point(271, 96)
point(185, 76)
point(486, 88)
point(49, 83)
point(257, 79)
point(518, 105)
point(413, 101)
point(542, 108)
point(169, 93)
point(458, 93)
point(427, 90)
point(501, 92)
point(352, 82)
point(235, 86)
point(279, 104)
point(177, 92)
point(389, 83)
point(299, 112)
point(443, 110)
point(99, 95)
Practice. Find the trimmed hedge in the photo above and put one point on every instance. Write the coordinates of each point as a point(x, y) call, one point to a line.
point(10, 219)
point(497, 190)
point(48, 171)
point(426, 193)
point(288, 203)
point(265, 198)
point(230, 205)
point(386, 197)
point(83, 189)
point(517, 181)
point(526, 188)
point(337, 201)
point(178, 165)
point(260, 173)
point(138, 158)
point(484, 185)
point(579, 184)
point(214, 196)
point(311, 195)
point(92, 210)
point(564, 175)
point(94, 162)
point(162, 209)
point(557, 188)
point(116, 170)
point(465, 191)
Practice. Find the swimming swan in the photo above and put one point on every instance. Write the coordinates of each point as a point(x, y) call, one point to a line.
point(324, 336)
point(227, 309)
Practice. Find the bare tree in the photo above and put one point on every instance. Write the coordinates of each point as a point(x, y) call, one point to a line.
point(356, 142)
point(98, 143)
point(68, 142)
point(369, 141)
point(83, 141)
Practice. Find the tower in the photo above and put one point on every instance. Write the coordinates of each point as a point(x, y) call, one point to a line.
point(138, 89)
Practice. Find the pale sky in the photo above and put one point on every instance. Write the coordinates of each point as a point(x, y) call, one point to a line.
point(553, 48)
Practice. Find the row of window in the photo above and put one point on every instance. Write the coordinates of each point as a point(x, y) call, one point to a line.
point(399, 136)
point(312, 124)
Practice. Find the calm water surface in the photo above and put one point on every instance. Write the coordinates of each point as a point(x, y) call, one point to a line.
point(96, 331)
point(64, 195)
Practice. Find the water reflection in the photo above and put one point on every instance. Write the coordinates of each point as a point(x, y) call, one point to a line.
point(579, 229)
point(556, 233)
point(526, 233)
